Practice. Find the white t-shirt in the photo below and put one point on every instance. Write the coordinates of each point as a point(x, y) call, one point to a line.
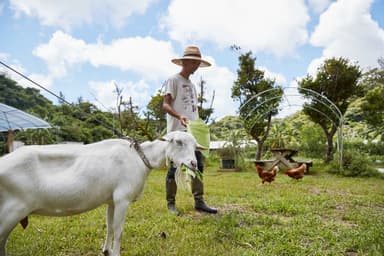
point(184, 101)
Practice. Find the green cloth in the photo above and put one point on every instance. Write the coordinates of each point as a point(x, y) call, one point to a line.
point(200, 131)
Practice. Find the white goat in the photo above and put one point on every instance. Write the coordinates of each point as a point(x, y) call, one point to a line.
point(62, 180)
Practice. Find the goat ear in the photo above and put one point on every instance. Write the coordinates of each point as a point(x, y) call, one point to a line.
point(199, 147)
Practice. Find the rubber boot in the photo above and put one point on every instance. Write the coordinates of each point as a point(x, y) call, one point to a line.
point(198, 192)
point(171, 189)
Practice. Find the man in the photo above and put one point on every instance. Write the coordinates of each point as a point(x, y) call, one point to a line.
point(180, 104)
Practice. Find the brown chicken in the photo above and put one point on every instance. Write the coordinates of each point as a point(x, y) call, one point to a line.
point(265, 175)
point(297, 173)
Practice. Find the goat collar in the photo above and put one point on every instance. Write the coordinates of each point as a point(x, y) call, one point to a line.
point(136, 146)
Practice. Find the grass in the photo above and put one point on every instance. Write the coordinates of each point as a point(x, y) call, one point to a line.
point(321, 215)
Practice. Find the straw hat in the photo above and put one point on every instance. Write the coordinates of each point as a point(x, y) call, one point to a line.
point(192, 53)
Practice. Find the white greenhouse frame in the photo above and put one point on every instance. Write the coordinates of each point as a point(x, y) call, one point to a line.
point(288, 100)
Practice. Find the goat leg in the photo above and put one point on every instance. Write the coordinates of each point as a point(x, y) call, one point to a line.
point(107, 251)
point(120, 210)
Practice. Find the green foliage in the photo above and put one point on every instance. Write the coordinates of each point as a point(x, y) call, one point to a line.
point(337, 80)
point(223, 129)
point(373, 109)
point(354, 112)
point(23, 98)
point(36, 137)
point(156, 114)
point(204, 112)
point(81, 122)
point(256, 108)
point(373, 77)
point(312, 141)
point(283, 135)
point(354, 164)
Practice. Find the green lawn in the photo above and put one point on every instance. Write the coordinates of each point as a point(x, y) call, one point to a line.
point(321, 215)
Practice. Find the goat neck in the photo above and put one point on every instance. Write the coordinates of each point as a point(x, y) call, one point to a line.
point(155, 152)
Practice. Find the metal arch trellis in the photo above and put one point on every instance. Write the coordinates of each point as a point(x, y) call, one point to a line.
point(313, 96)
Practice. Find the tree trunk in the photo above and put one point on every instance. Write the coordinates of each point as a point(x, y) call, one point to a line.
point(329, 148)
point(260, 141)
point(259, 149)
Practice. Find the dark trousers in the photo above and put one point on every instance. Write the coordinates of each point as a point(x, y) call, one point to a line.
point(200, 165)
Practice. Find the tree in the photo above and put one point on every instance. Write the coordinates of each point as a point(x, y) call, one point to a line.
point(337, 80)
point(119, 103)
point(80, 121)
point(223, 129)
point(256, 112)
point(282, 134)
point(131, 123)
point(21, 98)
point(204, 113)
point(372, 103)
point(128, 117)
point(373, 110)
point(155, 114)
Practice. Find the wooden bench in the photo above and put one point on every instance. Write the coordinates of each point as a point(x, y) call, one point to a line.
point(307, 162)
point(267, 164)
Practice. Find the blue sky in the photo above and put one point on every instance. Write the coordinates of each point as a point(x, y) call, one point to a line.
point(82, 48)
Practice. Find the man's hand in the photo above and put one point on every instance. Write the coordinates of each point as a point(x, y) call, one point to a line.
point(184, 120)
point(167, 107)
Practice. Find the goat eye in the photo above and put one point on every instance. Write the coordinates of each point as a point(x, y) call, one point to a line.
point(179, 142)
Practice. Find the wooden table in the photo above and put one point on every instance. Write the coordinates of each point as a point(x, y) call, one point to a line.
point(284, 156)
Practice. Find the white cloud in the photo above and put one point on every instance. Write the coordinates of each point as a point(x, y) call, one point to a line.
point(279, 78)
point(318, 6)
point(314, 66)
point(275, 26)
point(71, 13)
point(347, 29)
point(14, 64)
point(4, 56)
point(61, 52)
point(104, 93)
point(292, 100)
point(220, 81)
point(45, 81)
point(143, 55)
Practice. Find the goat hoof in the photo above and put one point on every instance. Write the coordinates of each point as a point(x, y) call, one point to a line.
point(107, 253)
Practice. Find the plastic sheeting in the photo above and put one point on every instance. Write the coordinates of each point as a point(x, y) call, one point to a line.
point(14, 119)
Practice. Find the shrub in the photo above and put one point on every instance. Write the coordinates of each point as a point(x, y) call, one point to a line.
point(354, 164)
point(313, 141)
